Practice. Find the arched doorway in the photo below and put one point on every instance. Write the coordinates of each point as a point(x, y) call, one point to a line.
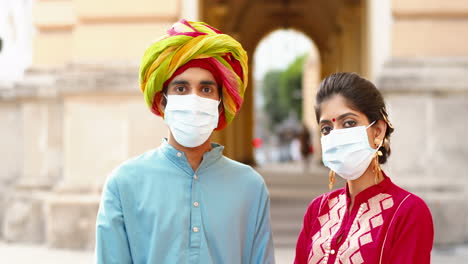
point(285, 75)
point(338, 28)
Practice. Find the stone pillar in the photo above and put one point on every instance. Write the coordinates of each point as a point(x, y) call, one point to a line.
point(428, 105)
point(42, 143)
point(311, 80)
point(33, 117)
point(101, 129)
point(424, 83)
point(10, 152)
point(104, 118)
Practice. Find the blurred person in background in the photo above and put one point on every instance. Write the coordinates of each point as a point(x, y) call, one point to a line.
point(306, 146)
point(370, 220)
point(184, 202)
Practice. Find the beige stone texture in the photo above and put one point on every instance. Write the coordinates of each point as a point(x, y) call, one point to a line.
point(54, 13)
point(71, 221)
point(449, 213)
point(311, 81)
point(105, 42)
point(42, 143)
point(414, 7)
point(123, 8)
point(11, 141)
point(52, 49)
point(429, 37)
point(428, 99)
point(23, 219)
point(100, 132)
point(405, 142)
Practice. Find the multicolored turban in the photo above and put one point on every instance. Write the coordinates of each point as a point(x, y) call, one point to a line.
point(186, 41)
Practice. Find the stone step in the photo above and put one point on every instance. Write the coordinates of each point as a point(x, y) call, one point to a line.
point(291, 191)
point(285, 241)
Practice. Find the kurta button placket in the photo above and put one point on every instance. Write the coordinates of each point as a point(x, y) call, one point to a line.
point(195, 217)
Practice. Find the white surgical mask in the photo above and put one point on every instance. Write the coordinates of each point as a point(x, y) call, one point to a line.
point(191, 118)
point(347, 151)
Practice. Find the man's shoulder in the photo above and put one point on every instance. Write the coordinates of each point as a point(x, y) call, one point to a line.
point(136, 164)
point(241, 170)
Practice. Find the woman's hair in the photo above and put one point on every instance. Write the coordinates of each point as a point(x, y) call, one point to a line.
point(361, 95)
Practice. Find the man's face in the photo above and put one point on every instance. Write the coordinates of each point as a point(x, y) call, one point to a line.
point(196, 81)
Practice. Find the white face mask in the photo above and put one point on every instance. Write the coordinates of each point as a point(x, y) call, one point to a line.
point(191, 118)
point(347, 151)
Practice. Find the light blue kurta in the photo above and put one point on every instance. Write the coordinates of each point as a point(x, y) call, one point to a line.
point(156, 209)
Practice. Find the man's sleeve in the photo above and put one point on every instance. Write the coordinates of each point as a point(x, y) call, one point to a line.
point(111, 238)
point(262, 251)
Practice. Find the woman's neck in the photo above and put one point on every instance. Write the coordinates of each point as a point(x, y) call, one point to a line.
point(360, 184)
point(194, 155)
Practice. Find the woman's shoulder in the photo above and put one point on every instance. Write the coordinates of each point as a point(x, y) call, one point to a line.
point(411, 203)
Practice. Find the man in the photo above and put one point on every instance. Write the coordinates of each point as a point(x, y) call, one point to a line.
point(184, 202)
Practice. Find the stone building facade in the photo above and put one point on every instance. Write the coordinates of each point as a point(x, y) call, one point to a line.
point(78, 111)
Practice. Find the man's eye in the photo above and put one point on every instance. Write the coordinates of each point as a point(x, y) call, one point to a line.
point(207, 89)
point(180, 89)
point(325, 130)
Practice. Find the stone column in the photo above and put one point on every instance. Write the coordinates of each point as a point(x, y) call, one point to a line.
point(428, 105)
point(36, 146)
point(106, 122)
point(425, 86)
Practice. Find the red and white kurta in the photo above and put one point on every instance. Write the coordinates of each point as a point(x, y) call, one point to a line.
point(386, 225)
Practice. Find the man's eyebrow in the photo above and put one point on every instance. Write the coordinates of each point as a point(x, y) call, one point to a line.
point(206, 82)
point(175, 82)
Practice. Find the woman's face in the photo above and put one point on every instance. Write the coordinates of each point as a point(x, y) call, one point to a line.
point(336, 114)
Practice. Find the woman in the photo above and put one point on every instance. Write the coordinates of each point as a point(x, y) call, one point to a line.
point(371, 220)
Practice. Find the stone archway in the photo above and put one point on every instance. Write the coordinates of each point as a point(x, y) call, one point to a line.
point(337, 27)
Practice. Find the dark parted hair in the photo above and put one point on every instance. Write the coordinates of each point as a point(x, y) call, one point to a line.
point(361, 95)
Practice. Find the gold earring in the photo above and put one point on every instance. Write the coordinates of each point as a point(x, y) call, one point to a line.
point(331, 179)
point(377, 143)
point(376, 169)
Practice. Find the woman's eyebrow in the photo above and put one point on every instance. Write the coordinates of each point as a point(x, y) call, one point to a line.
point(339, 117)
point(345, 115)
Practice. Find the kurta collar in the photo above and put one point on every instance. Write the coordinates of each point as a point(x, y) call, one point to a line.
point(370, 192)
point(179, 158)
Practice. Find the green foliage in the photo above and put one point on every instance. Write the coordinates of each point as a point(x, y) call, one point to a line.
point(270, 90)
point(282, 91)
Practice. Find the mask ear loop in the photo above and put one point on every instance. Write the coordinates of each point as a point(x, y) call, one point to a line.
point(371, 124)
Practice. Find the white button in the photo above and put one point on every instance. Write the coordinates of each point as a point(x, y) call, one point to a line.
point(195, 176)
point(332, 252)
point(195, 204)
point(195, 229)
point(179, 154)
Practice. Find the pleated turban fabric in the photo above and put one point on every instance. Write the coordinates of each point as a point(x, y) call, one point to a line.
point(186, 41)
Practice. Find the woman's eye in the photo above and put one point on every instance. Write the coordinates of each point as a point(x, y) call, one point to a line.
point(349, 123)
point(325, 130)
